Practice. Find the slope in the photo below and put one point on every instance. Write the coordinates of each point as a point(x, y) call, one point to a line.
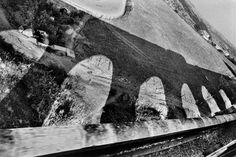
point(152, 41)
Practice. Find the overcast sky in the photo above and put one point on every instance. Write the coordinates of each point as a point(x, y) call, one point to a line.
point(221, 14)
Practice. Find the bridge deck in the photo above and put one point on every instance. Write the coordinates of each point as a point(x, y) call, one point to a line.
point(51, 140)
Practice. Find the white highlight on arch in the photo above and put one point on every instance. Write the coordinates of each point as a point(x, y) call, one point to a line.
point(100, 8)
point(189, 103)
point(90, 82)
point(210, 101)
point(97, 73)
point(152, 95)
point(225, 98)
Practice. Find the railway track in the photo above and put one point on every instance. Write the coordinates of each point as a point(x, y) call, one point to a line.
point(146, 146)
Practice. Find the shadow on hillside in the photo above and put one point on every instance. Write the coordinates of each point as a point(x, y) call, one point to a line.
point(136, 63)
point(141, 60)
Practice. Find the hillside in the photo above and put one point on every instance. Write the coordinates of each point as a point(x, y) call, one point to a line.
point(154, 43)
point(148, 64)
point(171, 33)
point(217, 36)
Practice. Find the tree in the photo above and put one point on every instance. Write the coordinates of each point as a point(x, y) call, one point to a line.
point(197, 27)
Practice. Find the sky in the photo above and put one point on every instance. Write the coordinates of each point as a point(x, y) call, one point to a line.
point(221, 14)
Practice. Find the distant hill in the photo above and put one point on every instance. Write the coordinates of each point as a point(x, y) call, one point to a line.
point(217, 37)
point(189, 13)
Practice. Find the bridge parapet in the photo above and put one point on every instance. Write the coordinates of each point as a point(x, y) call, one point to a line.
point(50, 140)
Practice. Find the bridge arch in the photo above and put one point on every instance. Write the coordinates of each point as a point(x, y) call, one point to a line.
point(83, 94)
point(224, 96)
point(189, 103)
point(151, 97)
point(210, 101)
